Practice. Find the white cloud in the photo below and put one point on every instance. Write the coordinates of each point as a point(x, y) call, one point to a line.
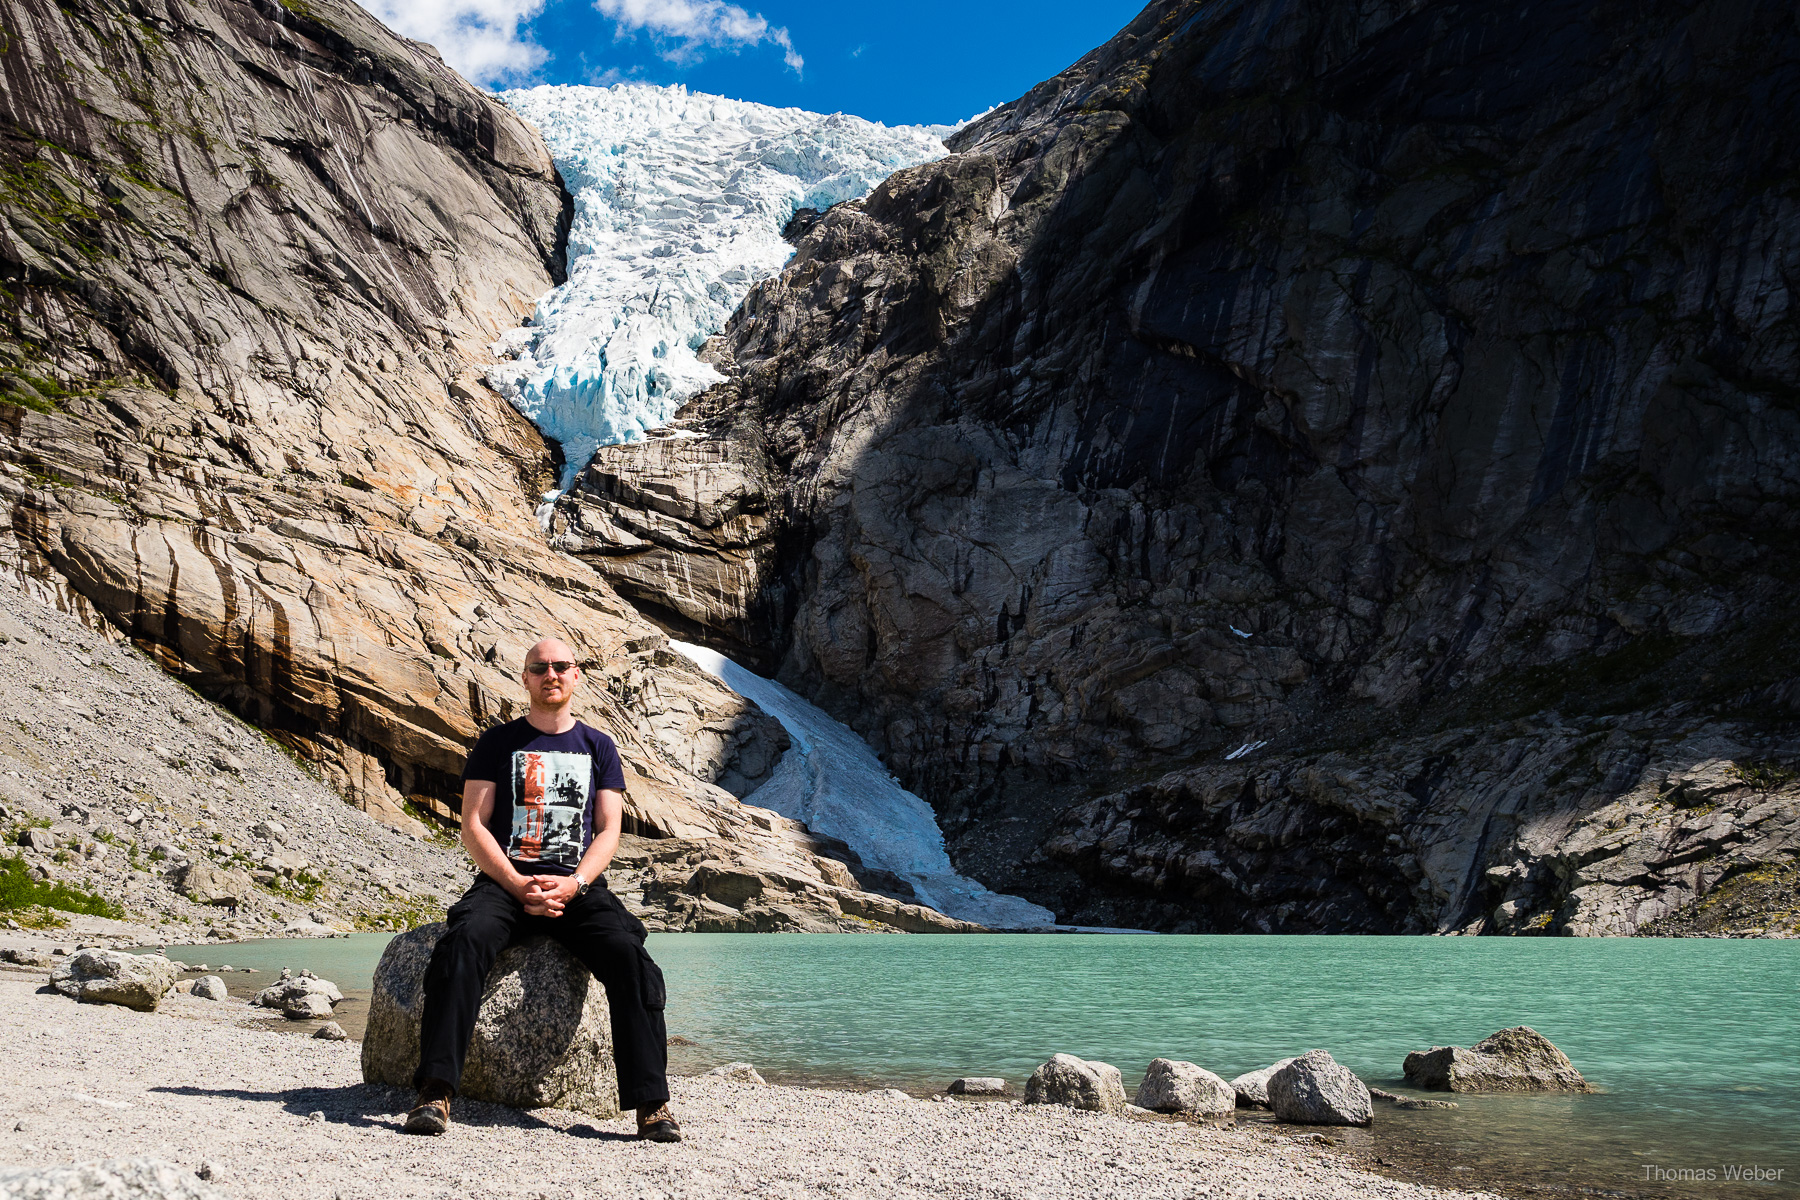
point(480, 38)
point(698, 25)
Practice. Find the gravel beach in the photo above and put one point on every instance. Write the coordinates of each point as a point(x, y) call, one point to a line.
point(203, 1082)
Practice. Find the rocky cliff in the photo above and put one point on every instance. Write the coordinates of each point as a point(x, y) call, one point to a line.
point(254, 255)
point(1301, 468)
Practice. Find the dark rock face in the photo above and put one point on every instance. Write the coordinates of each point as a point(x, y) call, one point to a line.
point(1406, 392)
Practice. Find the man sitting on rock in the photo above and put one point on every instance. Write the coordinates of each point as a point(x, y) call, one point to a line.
point(543, 797)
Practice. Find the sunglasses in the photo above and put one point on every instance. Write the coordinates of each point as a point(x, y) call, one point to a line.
point(539, 668)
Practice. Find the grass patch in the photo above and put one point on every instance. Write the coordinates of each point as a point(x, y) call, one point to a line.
point(304, 886)
point(1767, 775)
point(20, 890)
point(399, 917)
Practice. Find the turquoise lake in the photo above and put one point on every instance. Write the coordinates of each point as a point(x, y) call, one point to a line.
point(1695, 1043)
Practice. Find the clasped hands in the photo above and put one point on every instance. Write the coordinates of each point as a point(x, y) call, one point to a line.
point(545, 895)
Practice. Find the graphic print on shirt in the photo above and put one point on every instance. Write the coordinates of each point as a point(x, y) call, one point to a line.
point(550, 788)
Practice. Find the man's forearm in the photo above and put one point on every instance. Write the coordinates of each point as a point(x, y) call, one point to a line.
point(598, 857)
point(479, 841)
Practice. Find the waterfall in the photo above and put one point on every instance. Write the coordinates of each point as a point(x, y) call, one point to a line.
point(833, 781)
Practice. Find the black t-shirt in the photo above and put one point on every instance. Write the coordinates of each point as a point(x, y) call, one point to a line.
point(544, 787)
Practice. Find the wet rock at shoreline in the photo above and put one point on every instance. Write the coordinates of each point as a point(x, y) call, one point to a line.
point(307, 1006)
point(1513, 1060)
point(116, 1179)
point(208, 987)
point(1078, 1083)
point(1315, 1089)
point(1171, 1086)
point(977, 1085)
point(1252, 1087)
point(302, 997)
point(1412, 1102)
point(330, 1031)
point(113, 977)
point(543, 1035)
point(738, 1072)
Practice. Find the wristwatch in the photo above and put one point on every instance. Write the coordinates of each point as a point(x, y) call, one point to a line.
point(584, 885)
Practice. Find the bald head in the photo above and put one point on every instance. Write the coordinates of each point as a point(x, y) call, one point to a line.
point(550, 650)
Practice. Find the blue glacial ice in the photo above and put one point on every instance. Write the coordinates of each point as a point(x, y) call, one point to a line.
point(833, 781)
point(680, 200)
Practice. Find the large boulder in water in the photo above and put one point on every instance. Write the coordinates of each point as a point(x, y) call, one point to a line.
point(1172, 1086)
point(1252, 1087)
point(1316, 1089)
point(543, 1037)
point(113, 977)
point(1078, 1083)
point(1513, 1060)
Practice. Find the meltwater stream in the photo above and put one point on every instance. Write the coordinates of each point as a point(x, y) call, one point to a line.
point(831, 780)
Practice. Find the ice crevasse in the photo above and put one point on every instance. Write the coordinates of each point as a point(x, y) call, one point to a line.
point(680, 201)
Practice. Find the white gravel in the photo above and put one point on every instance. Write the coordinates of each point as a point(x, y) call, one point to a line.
point(189, 1084)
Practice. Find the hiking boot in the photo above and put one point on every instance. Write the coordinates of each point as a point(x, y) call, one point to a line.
point(432, 1113)
point(657, 1124)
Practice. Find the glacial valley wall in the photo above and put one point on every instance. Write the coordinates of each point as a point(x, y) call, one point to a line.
point(1302, 468)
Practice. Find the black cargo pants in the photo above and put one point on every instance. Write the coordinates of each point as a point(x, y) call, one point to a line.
point(597, 930)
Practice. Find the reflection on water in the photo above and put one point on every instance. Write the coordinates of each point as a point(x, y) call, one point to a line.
point(1692, 1041)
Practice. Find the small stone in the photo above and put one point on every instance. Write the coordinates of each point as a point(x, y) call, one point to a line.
point(977, 1085)
point(1078, 1083)
point(887, 1094)
point(330, 1031)
point(307, 1006)
point(210, 1171)
point(228, 762)
point(25, 958)
point(317, 1118)
point(210, 987)
point(738, 1072)
point(1409, 1102)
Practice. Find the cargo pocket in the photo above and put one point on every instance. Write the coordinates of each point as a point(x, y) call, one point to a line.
point(655, 993)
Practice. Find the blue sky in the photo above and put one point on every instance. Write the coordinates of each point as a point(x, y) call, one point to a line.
point(923, 62)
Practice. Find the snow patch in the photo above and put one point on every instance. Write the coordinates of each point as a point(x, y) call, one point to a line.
point(831, 780)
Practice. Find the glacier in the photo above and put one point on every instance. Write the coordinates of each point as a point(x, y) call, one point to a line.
point(833, 781)
point(680, 200)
